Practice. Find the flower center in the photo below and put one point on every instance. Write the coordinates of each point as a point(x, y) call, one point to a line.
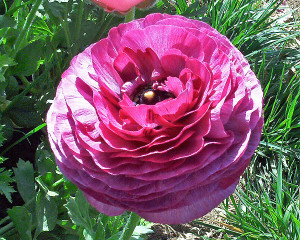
point(150, 96)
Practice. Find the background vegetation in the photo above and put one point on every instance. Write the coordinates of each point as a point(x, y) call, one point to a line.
point(38, 38)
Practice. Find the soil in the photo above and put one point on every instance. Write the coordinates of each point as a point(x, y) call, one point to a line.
point(295, 4)
point(195, 230)
point(190, 231)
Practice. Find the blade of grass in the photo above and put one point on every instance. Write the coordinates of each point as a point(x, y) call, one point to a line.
point(23, 34)
point(237, 234)
point(24, 137)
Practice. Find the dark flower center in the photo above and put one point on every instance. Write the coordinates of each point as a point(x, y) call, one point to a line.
point(150, 96)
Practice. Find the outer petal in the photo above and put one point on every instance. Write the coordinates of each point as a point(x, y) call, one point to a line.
point(170, 162)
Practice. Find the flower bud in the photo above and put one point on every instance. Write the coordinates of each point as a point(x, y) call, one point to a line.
point(123, 6)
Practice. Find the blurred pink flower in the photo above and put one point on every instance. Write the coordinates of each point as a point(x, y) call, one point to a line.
point(160, 118)
point(123, 6)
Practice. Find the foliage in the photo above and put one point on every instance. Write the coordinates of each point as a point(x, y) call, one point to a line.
point(37, 41)
point(268, 43)
point(39, 38)
point(54, 208)
point(269, 208)
point(5, 175)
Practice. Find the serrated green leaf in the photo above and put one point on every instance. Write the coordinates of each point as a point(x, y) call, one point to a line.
point(44, 160)
point(101, 225)
point(5, 181)
point(24, 175)
point(22, 220)
point(24, 114)
point(100, 231)
point(28, 59)
point(78, 210)
point(46, 213)
point(6, 61)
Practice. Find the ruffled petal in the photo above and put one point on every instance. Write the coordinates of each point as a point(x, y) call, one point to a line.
point(171, 160)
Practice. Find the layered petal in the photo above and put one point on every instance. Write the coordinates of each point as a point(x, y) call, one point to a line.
point(160, 118)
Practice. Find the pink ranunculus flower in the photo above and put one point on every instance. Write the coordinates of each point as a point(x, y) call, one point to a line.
point(123, 6)
point(160, 118)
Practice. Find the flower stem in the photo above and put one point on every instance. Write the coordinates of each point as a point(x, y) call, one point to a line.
point(65, 27)
point(78, 24)
point(26, 27)
point(130, 226)
point(130, 16)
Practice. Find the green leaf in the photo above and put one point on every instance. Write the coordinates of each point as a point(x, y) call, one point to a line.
point(87, 235)
point(46, 213)
point(138, 233)
point(59, 236)
point(22, 220)
point(44, 160)
point(45, 188)
point(78, 210)
point(24, 114)
point(70, 187)
point(100, 231)
point(142, 230)
point(40, 28)
point(28, 59)
point(12, 88)
point(2, 139)
point(296, 221)
point(101, 225)
point(56, 9)
point(5, 181)
point(87, 33)
point(7, 22)
point(24, 175)
point(8, 128)
point(6, 61)
point(3, 85)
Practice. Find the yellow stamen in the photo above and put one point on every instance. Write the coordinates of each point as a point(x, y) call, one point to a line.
point(149, 95)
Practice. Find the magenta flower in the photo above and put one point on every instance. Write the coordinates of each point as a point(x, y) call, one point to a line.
point(123, 6)
point(160, 118)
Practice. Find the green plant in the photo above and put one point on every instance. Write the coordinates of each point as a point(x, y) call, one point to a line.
point(269, 207)
point(38, 39)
